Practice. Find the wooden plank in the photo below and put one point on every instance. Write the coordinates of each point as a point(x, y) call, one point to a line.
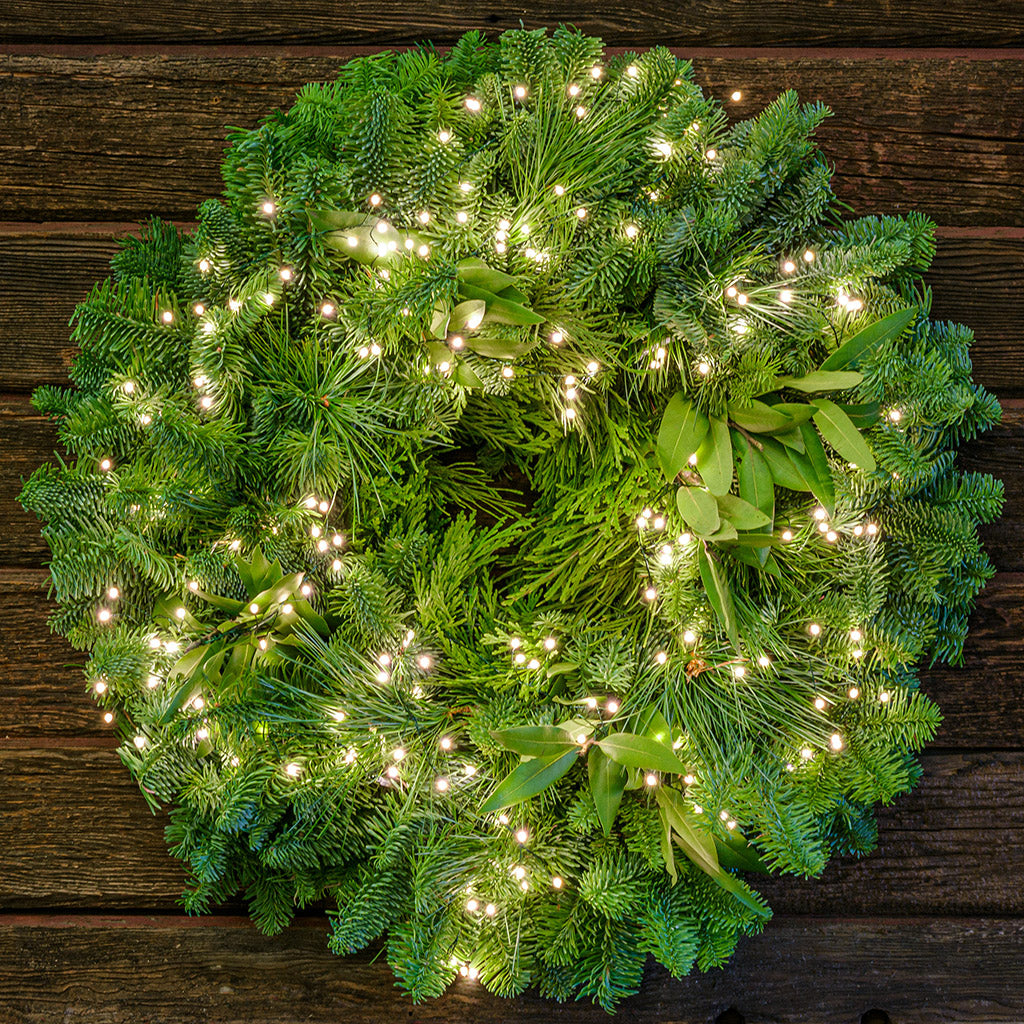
point(114, 137)
point(86, 839)
point(44, 694)
point(44, 272)
point(122, 970)
point(700, 23)
point(27, 440)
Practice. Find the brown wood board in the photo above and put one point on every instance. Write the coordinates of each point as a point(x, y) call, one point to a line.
point(701, 23)
point(118, 138)
point(801, 970)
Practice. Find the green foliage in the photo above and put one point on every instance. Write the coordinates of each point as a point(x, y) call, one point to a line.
point(462, 525)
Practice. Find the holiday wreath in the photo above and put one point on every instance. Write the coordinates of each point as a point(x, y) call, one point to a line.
point(515, 513)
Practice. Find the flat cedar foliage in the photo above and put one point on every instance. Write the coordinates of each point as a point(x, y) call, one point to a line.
point(515, 513)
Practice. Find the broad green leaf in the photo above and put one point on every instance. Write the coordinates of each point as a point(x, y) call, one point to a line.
point(465, 376)
point(815, 469)
point(439, 320)
point(735, 852)
point(651, 722)
point(758, 417)
point(683, 427)
point(280, 590)
point(474, 271)
point(871, 338)
point(756, 540)
point(468, 315)
point(607, 783)
point(502, 311)
point(335, 220)
point(698, 509)
point(717, 589)
point(725, 532)
point(306, 613)
point(714, 457)
point(700, 848)
point(836, 428)
point(697, 845)
point(438, 353)
point(798, 412)
point(225, 604)
point(755, 481)
point(784, 473)
point(792, 438)
point(637, 751)
point(741, 513)
point(534, 740)
point(500, 348)
point(529, 779)
point(667, 853)
point(821, 380)
point(862, 416)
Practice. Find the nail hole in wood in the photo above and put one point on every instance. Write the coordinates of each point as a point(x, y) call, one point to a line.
point(733, 1016)
point(875, 1017)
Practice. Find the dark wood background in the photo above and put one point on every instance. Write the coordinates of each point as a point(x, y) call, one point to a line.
point(114, 110)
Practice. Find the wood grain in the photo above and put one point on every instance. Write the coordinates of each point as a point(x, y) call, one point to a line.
point(168, 970)
point(699, 23)
point(45, 272)
point(117, 138)
point(87, 840)
point(44, 694)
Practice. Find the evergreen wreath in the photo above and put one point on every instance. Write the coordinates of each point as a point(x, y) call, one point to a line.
point(515, 513)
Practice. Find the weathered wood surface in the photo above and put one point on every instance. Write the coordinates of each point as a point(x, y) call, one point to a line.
point(45, 271)
point(953, 846)
point(118, 138)
point(801, 970)
point(695, 23)
point(43, 694)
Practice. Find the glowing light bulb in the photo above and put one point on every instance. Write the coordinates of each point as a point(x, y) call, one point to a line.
point(663, 148)
point(108, 717)
point(689, 637)
point(836, 741)
point(581, 112)
point(651, 779)
point(574, 89)
point(787, 536)
point(596, 72)
point(736, 96)
point(444, 135)
point(550, 643)
point(593, 367)
point(739, 671)
point(424, 661)
point(167, 316)
point(472, 104)
point(785, 295)
point(376, 199)
point(559, 190)
point(521, 836)
point(519, 92)
point(285, 273)
point(581, 213)
point(140, 742)
point(153, 682)
point(872, 529)
point(327, 309)
point(462, 216)
point(650, 594)
point(441, 784)
point(895, 415)
point(814, 629)
point(100, 686)
point(661, 657)
point(234, 305)
point(612, 706)
point(703, 368)
point(490, 910)
point(764, 661)
point(831, 536)
point(204, 266)
point(711, 154)
point(465, 186)
point(808, 256)
point(104, 615)
point(788, 267)
point(507, 372)
point(198, 703)
point(472, 906)
point(819, 703)
point(632, 231)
